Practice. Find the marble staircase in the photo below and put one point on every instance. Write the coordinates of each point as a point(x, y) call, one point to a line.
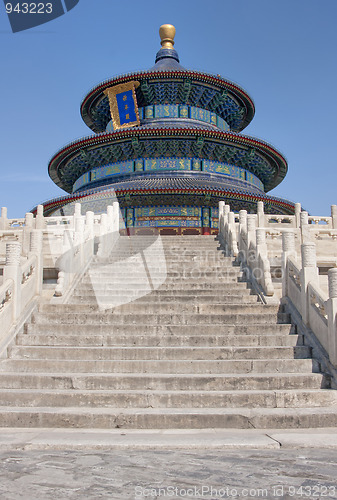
point(171, 337)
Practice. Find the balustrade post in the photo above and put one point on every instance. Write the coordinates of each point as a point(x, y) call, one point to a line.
point(221, 208)
point(89, 229)
point(309, 273)
point(76, 215)
point(29, 220)
point(40, 222)
point(304, 224)
point(79, 238)
point(68, 240)
point(221, 224)
point(77, 210)
point(104, 223)
point(334, 216)
point(79, 227)
point(36, 249)
point(261, 240)
point(102, 245)
point(116, 216)
point(232, 238)
point(29, 225)
point(288, 250)
point(332, 312)
point(298, 209)
point(66, 262)
point(260, 214)
point(243, 220)
point(226, 212)
point(263, 262)
point(110, 213)
point(3, 218)
point(243, 233)
point(89, 223)
point(251, 230)
point(12, 270)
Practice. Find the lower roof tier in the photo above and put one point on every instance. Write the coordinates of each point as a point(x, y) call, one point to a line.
point(90, 153)
point(174, 191)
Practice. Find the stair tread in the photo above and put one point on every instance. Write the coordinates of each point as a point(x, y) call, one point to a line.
point(163, 391)
point(330, 410)
point(162, 375)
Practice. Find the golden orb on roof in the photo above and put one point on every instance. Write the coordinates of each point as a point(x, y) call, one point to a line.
point(167, 33)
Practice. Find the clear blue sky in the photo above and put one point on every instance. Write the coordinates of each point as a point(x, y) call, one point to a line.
point(282, 52)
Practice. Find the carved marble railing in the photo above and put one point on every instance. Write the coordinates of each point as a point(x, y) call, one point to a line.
point(247, 242)
point(6, 309)
point(64, 244)
point(316, 309)
point(299, 245)
point(22, 282)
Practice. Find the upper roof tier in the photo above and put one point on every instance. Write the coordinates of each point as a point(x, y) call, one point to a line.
point(167, 82)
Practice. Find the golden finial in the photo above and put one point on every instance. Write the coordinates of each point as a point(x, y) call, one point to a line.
point(167, 33)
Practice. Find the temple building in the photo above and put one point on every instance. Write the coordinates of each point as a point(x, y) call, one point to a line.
point(167, 141)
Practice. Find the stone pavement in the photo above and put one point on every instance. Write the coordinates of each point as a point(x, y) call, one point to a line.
point(57, 464)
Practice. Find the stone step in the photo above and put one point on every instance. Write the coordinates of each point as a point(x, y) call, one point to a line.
point(165, 251)
point(45, 328)
point(171, 269)
point(168, 239)
point(180, 252)
point(157, 353)
point(171, 266)
point(169, 418)
point(160, 366)
point(93, 298)
point(210, 310)
point(179, 258)
point(165, 382)
point(160, 308)
point(137, 250)
point(148, 308)
point(155, 340)
point(192, 246)
point(178, 294)
point(171, 288)
point(167, 399)
point(211, 260)
point(188, 258)
point(175, 278)
point(177, 242)
point(156, 319)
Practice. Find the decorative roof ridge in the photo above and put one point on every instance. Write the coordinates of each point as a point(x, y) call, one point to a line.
point(82, 194)
point(134, 131)
point(171, 73)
